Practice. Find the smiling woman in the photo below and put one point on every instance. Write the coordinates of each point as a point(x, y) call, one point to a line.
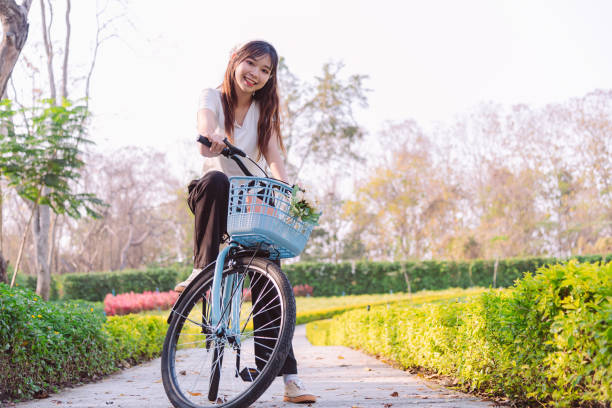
point(245, 111)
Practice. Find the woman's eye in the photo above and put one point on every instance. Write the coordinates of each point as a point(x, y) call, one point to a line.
point(250, 62)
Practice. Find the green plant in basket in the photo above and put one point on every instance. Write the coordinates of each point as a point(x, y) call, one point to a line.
point(303, 206)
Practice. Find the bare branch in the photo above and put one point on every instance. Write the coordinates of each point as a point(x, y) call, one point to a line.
point(48, 48)
point(66, 52)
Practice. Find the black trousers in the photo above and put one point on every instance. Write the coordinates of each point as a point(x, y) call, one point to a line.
point(208, 199)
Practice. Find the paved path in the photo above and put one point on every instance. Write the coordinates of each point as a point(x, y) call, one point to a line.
point(341, 377)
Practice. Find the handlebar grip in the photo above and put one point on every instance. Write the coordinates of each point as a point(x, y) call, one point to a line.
point(230, 150)
point(208, 143)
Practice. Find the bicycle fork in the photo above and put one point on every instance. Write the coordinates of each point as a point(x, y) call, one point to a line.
point(222, 323)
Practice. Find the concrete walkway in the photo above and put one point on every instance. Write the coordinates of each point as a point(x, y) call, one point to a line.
point(339, 376)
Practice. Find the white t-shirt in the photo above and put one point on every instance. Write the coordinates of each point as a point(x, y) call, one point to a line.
point(245, 136)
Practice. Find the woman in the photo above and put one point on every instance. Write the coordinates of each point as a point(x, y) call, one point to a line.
point(245, 110)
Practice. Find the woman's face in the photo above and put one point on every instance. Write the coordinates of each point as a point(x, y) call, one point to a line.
point(252, 73)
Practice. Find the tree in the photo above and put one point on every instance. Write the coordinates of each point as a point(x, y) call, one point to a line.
point(41, 159)
point(43, 226)
point(407, 206)
point(318, 121)
point(147, 219)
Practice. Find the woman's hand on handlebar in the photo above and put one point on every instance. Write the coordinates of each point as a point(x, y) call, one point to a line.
point(217, 145)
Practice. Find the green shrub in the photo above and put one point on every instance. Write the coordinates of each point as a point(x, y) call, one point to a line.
point(44, 344)
point(414, 299)
point(546, 340)
point(136, 338)
point(29, 282)
point(384, 277)
point(95, 286)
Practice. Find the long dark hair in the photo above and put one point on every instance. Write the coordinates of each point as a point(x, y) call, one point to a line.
point(266, 97)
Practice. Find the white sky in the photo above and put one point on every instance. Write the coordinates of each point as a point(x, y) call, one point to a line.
point(427, 60)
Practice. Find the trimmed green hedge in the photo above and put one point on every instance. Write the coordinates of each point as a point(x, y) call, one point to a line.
point(95, 286)
point(548, 340)
point(383, 277)
point(327, 279)
point(46, 345)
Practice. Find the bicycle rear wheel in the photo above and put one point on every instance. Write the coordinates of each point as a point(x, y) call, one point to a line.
point(204, 367)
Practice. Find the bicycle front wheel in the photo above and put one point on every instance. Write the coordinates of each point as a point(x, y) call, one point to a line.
point(216, 366)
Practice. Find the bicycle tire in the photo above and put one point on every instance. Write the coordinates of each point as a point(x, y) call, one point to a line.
point(174, 378)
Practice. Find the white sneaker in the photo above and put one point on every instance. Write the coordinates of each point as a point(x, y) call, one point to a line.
point(181, 286)
point(296, 392)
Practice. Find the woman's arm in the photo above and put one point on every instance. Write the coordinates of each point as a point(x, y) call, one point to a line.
point(207, 126)
point(275, 160)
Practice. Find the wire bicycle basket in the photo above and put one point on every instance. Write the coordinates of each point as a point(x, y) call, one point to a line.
point(258, 214)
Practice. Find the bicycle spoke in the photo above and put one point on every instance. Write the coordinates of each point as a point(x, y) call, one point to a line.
point(265, 326)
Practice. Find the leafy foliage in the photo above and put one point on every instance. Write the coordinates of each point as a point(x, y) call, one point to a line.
point(37, 336)
point(546, 340)
point(318, 118)
point(41, 159)
point(136, 338)
point(45, 345)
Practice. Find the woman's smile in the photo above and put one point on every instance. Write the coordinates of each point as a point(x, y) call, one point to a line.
point(250, 82)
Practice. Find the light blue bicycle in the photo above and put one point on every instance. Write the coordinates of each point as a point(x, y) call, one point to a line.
point(231, 329)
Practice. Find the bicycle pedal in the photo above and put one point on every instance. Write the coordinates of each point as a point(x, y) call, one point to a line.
point(248, 374)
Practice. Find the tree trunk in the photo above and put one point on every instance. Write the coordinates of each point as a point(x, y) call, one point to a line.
point(406, 278)
point(40, 230)
point(3, 263)
point(495, 271)
point(42, 221)
point(15, 27)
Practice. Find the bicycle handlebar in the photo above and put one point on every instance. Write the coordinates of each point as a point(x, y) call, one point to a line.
point(230, 150)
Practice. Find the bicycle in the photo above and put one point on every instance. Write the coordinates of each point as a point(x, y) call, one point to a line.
point(231, 328)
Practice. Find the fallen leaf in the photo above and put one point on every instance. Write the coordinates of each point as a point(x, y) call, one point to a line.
point(367, 369)
point(340, 358)
point(195, 394)
point(387, 405)
point(183, 372)
point(395, 394)
point(158, 381)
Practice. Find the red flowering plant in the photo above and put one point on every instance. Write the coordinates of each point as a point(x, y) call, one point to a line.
point(137, 302)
